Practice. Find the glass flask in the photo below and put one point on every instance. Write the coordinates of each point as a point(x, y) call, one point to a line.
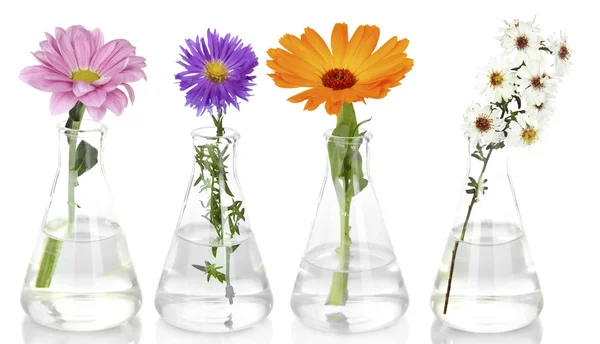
point(487, 282)
point(81, 277)
point(214, 279)
point(443, 334)
point(349, 279)
point(126, 333)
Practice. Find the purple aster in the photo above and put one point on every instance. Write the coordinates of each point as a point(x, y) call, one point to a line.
point(216, 74)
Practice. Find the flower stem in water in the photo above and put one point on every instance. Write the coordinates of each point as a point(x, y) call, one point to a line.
point(464, 229)
point(54, 246)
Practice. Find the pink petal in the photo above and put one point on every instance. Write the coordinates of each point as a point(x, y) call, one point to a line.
point(101, 81)
point(130, 92)
point(49, 44)
point(97, 113)
point(58, 63)
point(102, 55)
point(41, 57)
point(115, 68)
point(132, 75)
point(115, 81)
point(116, 101)
point(114, 64)
point(83, 51)
point(45, 79)
point(97, 40)
point(62, 102)
point(66, 49)
point(81, 88)
point(94, 98)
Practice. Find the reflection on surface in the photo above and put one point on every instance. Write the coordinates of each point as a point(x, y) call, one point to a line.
point(442, 334)
point(395, 334)
point(128, 333)
point(259, 334)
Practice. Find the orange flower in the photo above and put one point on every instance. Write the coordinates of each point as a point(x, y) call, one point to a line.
point(349, 72)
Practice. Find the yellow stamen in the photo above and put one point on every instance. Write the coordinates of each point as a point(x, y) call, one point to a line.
point(85, 75)
point(529, 135)
point(215, 70)
point(496, 79)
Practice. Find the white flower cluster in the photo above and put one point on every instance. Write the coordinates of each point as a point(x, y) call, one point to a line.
point(519, 86)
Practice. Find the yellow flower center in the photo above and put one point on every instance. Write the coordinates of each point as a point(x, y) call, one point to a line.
point(496, 79)
point(85, 75)
point(216, 71)
point(529, 135)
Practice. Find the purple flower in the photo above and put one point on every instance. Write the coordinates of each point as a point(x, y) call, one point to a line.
point(216, 74)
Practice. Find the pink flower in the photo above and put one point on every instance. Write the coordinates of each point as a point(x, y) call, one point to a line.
point(78, 66)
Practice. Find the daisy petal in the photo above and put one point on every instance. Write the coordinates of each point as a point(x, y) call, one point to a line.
point(62, 102)
point(97, 113)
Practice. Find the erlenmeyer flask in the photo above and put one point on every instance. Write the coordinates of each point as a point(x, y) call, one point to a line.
point(213, 278)
point(80, 276)
point(487, 281)
point(349, 280)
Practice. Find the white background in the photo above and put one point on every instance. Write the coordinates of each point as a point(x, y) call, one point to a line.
point(418, 160)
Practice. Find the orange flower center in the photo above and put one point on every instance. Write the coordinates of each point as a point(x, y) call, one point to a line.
point(483, 123)
point(338, 79)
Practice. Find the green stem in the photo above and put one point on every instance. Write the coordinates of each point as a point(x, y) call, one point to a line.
point(342, 174)
point(338, 293)
point(464, 231)
point(53, 246)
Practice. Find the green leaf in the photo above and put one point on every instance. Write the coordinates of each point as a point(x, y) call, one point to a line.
point(234, 247)
point(76, 113)
point(214, 251)
point(337, 150)
point(353, 165)
point(86, 157)
point(471, 191)
point(199, 267)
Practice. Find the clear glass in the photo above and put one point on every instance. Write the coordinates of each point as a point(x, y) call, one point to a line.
point(81, 277)
point(443, 334)
point(186, 298)
point(349, 279)
point(126, 333)
point(494, 285)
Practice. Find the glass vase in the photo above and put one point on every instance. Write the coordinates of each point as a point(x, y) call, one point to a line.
point(81, 277)
point(349, 280)
point(214, 279)
point(487, 282)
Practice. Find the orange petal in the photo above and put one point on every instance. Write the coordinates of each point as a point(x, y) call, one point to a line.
point(280, 82)
point(388, 66)
point(392, 46)
point(363, 42)
point(314, 92)
point(297, 80)
point(312, 38)
point(297, 47)
point(294, 65)
point(339, 41)
point(334, 103)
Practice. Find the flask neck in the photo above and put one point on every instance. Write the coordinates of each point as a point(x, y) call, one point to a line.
point(348, 154)
point(81, 146)
point(489, 206)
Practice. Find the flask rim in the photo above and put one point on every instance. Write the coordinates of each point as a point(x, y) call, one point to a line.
point(209, 133)
point(328, 135)
point(87, 126)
